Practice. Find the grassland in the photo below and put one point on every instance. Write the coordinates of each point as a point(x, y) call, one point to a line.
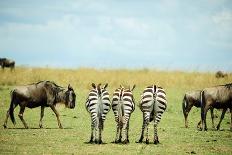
point(174, 138)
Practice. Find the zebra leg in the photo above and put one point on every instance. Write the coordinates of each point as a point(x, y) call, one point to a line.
point(100, 136)
point(156, 122)
point(156, 139)
point(147, 123)
point(142, 133)
point(91, 137)
point(125, 130)
point(117, 129)
point(143, 127)
point(222, 116)
point(95, 133)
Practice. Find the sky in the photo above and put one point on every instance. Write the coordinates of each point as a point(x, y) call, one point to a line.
point(184, 35)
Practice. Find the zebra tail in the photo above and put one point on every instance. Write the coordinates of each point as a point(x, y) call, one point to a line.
point(100, 111)
point(120, 113)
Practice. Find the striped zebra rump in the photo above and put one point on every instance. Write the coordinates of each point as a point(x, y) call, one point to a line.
point(98, 105)
point(153, 104)
point(123, 105)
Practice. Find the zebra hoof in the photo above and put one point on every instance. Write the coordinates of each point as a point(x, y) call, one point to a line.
point(125, 142)
point(147, 141)
point(100, 142)
point(156, 142)
point(5, 127)
point(218, 127)
point(96, 142)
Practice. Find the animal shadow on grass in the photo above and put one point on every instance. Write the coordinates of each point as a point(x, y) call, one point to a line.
point(148, 143)
point(103, 143)
point(39, 128)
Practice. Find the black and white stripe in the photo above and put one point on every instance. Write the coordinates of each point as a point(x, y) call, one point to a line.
point(153, 104)
point(123, 105)
point(98, 105)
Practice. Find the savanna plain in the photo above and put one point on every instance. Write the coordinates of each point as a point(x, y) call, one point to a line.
point(173, 136)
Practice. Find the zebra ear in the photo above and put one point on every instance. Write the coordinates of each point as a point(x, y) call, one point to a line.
point(133, 87)
point(105, 86)
point(93, 85)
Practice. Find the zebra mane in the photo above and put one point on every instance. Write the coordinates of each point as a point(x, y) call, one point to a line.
point(99, 88)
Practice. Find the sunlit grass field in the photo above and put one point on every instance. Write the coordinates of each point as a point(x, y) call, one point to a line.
point(174, 138)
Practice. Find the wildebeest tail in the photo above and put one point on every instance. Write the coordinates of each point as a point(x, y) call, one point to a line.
point(184, 105)
point(12, 107)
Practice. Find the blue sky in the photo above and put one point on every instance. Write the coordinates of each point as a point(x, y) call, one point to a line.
point(165, 34)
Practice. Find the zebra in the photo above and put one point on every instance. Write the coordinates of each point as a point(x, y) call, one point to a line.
point(98, 105)
point(123, 105)
point(153, 104)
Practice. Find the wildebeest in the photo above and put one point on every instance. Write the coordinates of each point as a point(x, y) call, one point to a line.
point(43, 94)
point(193, 98)
point(219, 97)
point(4, 62)
point(220, 74)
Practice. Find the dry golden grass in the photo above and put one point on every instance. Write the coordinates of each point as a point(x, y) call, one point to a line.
point(83, 77)
point(174, 138)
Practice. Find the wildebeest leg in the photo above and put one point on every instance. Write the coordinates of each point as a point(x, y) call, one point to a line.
point(212, 117)
point(41, 117)
point(222, 116)
point(22, 108)
point(7, 116)
point(231, 119)
point(203, 116)
point(57, 116)
point(199, 125)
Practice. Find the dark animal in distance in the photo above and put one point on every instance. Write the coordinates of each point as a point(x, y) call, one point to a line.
point(4, 62)
point(43, 94)
point(98, 105)
point(193, 98)
point(219, 97)
point(153, 104)
point(220, 74)
point(123, 106)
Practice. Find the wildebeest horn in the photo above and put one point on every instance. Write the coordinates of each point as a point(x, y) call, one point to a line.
point(70, 87)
